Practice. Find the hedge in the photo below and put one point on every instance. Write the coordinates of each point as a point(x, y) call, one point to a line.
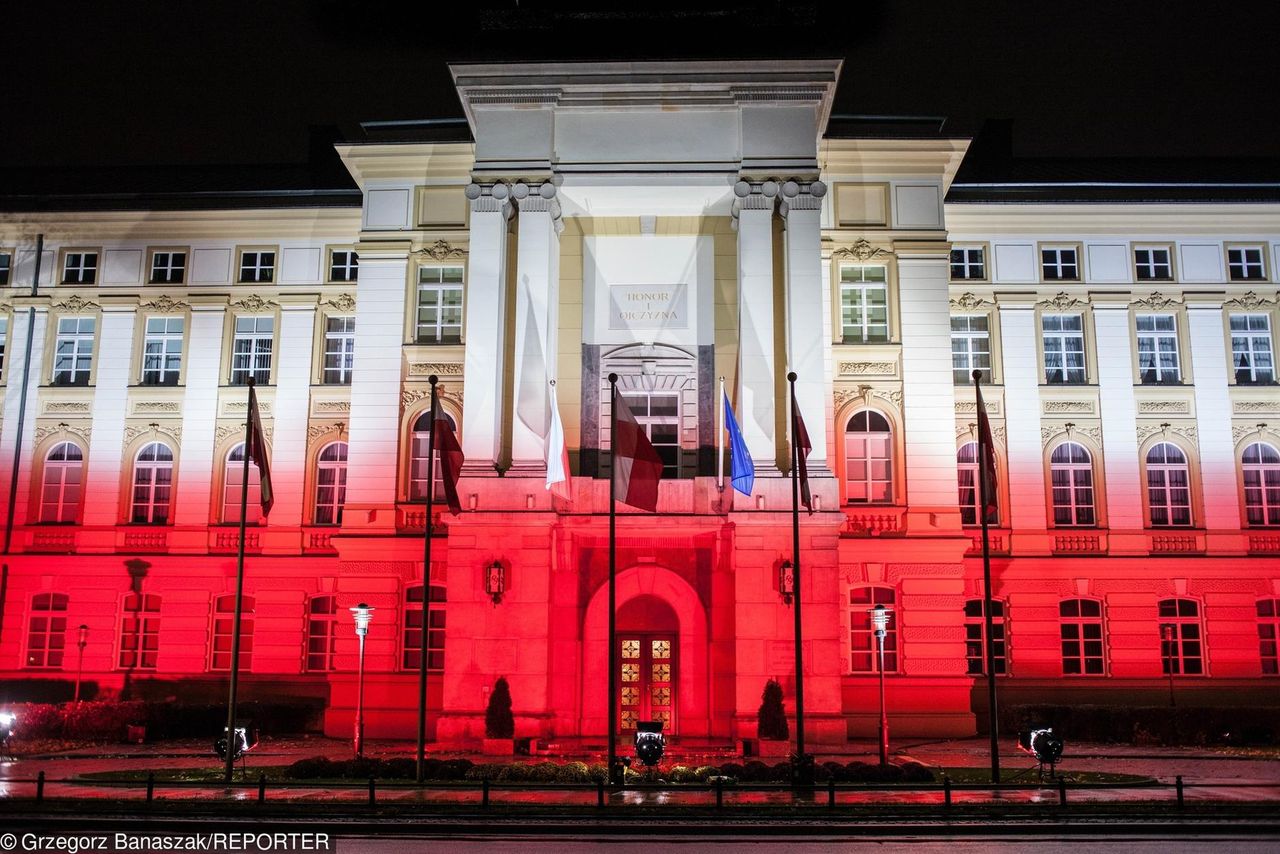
point(106, 721)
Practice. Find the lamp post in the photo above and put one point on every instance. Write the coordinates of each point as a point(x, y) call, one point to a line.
point(879, 621)
point(82, 638)
point(1166, 637)
point(363, 614)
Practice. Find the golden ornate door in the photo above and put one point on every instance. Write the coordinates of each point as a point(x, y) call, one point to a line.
point(648, 681)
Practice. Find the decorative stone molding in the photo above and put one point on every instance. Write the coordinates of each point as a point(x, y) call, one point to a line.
point(1246, 407)
point(968, 301)
point(1063, 301)
point(243, 406)
point(81, 431)
point(855, 368)
point(801, 195)
point(133, 432)
point(1240, 431)
point(315, 431)
point(1159, 407)
point(342, 302)
point(861, 250)
point(967, 407)
point(333, 406)
point(75, 304)
point(1249, 300)
point(1068, 407)
point(223, 432)
point(1155, 302)
point(442, 369)
point(160, 407)
point(492, 197)
point(844, 395)
point(253, 302)
point(1049, 432)
point(67, 406)
point(894, 397)
point(1186, 431)
point(410, 396)
point(441, 250)
point(164, 302)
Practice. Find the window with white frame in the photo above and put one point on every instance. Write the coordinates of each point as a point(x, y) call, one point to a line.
point(257, 265)
point(1153, 264)
point(863, 646)
point(1157, 349)
point(339, 350)
point(1181, 638)
point(1245, 264)
point(162, 351)
point(6, 267)
point(1261, 468)
point(251, 350)
point(868, 453)
point(73, 351)
point(168, 267)
point(224, 620)
point(970, 487)
point(970, 347)
point(61, 485)
point(411, 657)
point(232, 481)
point(79, 268)
point(439, 319)
point(864, 304)
point(331, 483)
point(1063, 339)
point(47, 630)
point(1269, 636)
point(1060, 264)
point(658, 414)
point(4, 339)
point(1168, 486)
point(1071, 475)
point(975, 637)
point(1080, 627)
point(344, 265)
point(140, 632)
point(1251, 349)
point(968, 262)
point(322, 632)
point(418, 459)
point(152, 485)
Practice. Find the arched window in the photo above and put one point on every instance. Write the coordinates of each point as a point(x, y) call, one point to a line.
point(322, 632)
point(412, 653)
point(224, 618)
point(1181, 640)
point(868, 453)
point(975, 637)
point(152, 485)
point(1071, 470)
point(1080, 625)
point(140, 632)
point(967, 477)
point(418, 459)
point(233, 477)
point(1269, 635)
point(63, 476)
point(864, 651)
point(1168, 485)
point(1261, 484)
point(331, 483)
point(47, 630)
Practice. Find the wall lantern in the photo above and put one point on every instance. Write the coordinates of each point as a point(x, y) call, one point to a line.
point(786, 581)
point(495, 581)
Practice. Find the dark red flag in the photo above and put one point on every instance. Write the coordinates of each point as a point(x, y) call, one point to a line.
point(256, 451)
point(986, 457)
point(639, 467)
point(801, 438)
point(449, 454)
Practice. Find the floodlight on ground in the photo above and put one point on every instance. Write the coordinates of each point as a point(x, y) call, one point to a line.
point(650, 742)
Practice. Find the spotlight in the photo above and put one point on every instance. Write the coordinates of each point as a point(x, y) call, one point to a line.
point(246, 739)
point(7, 721)
point(650, 743)
point(1043, 745)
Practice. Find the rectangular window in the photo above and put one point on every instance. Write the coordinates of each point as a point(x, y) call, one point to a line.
point(251, 350)
point(659, 416)
point(970, 347)
point(412, 652)
point(1269, 635)
point(864, 305)
point(439, 305)
point(863, 644)
point(975, 637)
point(162, 351)
point(47, 630)
point(344, 265)
point(224, 618)
point(168, 268)
point(1245, 264)
point(257, 265)
point(80, 268)
point(322, 625)
point(1157, 349)
point(6, 267)
point(1081, 632)
point(339, 350)
point(1063, 348)
point(73, 351)
point(4, 339)
point(1182, 642)
point(968, 263)
point(1153, 264)
point(1251, 349)
point(1060, 265)
point(140, 632)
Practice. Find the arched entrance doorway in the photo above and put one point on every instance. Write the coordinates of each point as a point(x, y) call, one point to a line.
point(648, 649)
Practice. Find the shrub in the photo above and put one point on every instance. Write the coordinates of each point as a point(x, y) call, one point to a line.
point(771, 718)
point(498, 720)
point(544, 772)
point(516, 772)
point(914, 772)
point(835, 771)
point(702, 772)
point(311, 768)
point(455, 769)
point(780, 773)
point(681, 774)
point(888, 773)
point(732, 769)
point(755, 771)
point(407, 769)
point(597, 772)
point(362, 769)
point(861, 772)
point(574, 772)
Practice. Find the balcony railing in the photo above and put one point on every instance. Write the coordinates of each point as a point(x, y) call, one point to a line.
point(225, 542)
point(873, 521)
point(1087, 544)
point(54, 541)
point(1176, 544)
point(1264, 544)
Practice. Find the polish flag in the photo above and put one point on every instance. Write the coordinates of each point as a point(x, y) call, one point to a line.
point(638, 468)
point(558, 482)
point(449, 457)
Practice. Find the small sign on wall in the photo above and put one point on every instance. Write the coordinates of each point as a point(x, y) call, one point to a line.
point(633, 307)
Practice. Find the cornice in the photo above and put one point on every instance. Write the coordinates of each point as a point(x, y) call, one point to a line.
point(160, 226)
point(858, 159)
point(434, 162)
point(1156, 220)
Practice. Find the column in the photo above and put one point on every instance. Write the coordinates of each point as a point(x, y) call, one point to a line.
point(801, 210)
point(199, 414)
point(537, 321)
point(1020, 345)
point(1119, 425)
point(110, 402)
point(22, 315)
point(373, 449)
point(1209, 360)
point(928, 388)
point(292, 377)
point(757, 365)
point(486, 329)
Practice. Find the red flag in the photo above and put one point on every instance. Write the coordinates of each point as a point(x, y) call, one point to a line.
point(256, 450)
point(449, 454)
point(986, 457)
point(801, 439)
point(639, 468)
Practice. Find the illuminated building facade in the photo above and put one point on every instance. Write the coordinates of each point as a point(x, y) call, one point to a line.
point(674, 223)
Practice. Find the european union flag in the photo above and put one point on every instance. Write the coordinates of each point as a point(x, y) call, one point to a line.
point(743, 469)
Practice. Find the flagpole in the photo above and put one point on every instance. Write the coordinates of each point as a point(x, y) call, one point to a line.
point(230, 758)
point(795, 569)
point(990, 652)
point(426, 587)
point(613, 560)
point(720, 440)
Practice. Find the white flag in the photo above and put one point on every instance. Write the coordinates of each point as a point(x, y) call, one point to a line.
point(558, 481)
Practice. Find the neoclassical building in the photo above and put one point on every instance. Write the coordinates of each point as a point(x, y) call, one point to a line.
point(675, 223)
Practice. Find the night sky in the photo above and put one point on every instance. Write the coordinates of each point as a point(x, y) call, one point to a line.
point(218, 82)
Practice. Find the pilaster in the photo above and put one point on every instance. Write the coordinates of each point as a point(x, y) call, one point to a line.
point(110, 401)
point(1119, 424)
point(1209, 360)
point(292, 404)
point(1020, 346)
point(801, 210)
point(757, 408)
point(35, 324)
point(199, 414)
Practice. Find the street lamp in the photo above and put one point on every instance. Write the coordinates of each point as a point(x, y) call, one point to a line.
point(363, 614)
point(786, 581)
point(82, 638)
point(879, 621)
point(1166, 636)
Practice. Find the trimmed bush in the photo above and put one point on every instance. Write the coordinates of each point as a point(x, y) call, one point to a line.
point(835, 771)
point(544, 772)
point(914, 772)
point(733, 769)
point(498, 720)
point(755, 771)
point(516, 772)
point(455, 769)
point(780, 773)
point(407, 769)
point(574, 772)
point(311, 768)
point(771, 718)
point(861, 772)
